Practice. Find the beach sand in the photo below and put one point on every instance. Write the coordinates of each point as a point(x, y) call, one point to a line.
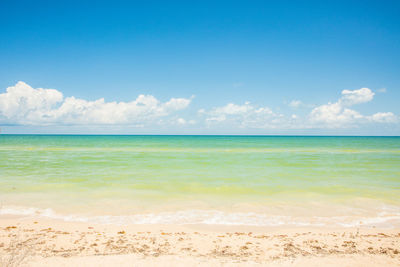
point(42, 242)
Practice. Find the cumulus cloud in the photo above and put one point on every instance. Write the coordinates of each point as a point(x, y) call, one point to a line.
point(24, 105)
point(334, 115)
point(339, 114)
point(352, 97)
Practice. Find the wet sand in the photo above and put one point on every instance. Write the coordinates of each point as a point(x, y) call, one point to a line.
point(41, 242)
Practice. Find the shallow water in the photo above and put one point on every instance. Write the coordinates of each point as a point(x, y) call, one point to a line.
point(255, 180)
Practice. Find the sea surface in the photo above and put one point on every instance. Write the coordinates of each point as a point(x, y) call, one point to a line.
point(232, 180)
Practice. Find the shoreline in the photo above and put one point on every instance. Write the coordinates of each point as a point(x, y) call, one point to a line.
point(288, 217)
point(49, 242)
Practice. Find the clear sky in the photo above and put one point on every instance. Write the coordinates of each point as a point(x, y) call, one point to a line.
point(200, 67)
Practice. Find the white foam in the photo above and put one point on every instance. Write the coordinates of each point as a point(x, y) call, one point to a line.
point(212, 217)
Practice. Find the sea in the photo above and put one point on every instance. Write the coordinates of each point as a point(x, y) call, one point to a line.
point(325, 181)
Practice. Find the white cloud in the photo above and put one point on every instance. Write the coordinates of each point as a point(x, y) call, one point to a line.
point(21, 101)
point(295, 104)
point(385, 117)
point(332, 115)
point(338, 114)
point(232, 109)
point(382, 90)
point(177, 103)
point(181, 121)
point(22, 104)
point(244, 116)
point(352, 97)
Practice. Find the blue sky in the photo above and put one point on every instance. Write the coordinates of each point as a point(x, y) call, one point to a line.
point(229, 67)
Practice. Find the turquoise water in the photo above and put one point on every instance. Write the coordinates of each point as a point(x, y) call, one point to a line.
point(260, 180)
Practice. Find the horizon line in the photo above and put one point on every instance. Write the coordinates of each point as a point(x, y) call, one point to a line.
point(238, 135)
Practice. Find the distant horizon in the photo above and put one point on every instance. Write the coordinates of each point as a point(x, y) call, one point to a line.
point(244, 135)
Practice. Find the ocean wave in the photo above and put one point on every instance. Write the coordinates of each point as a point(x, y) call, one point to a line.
point(386, 218)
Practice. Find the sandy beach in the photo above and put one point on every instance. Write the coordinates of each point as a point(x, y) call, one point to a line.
point(199, 133)
point(42, 242)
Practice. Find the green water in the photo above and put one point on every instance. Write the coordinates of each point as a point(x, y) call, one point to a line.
point(267, 175)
